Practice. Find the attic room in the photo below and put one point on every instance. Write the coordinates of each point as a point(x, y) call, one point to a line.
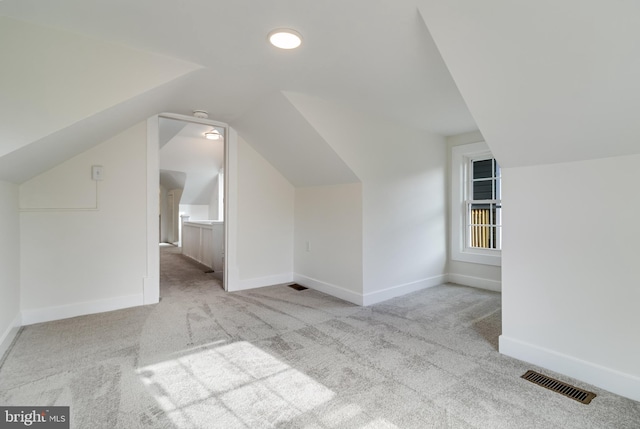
point(341, 174)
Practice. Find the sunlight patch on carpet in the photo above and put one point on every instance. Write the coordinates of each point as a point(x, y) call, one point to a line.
point(231, 385)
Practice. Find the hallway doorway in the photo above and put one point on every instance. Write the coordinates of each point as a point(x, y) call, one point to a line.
point(192, 189)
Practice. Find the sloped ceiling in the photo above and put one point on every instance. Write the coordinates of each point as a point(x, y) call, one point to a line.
point(76, 60)
point(546, 81)
point(52, 79)
point(278, 131)
point(53, 149)
point(168, 129)
point(172, 179)
point(190, 160)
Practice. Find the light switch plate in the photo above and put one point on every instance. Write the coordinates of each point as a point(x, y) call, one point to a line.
point(96, 172)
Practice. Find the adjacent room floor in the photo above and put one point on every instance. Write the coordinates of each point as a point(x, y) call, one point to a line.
point(277, 357)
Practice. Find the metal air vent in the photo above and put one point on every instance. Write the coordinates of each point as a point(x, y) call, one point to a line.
point(560, 387)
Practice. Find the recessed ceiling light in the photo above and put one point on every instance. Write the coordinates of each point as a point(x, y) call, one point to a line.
point(213, 135)
point(285, 38)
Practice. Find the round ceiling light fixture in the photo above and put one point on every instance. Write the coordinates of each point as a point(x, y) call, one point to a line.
point(285, 38)
point(202, 114)
point(213, 135)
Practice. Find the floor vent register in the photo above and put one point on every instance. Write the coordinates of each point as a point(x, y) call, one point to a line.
point(560, 387)
point(296, 286)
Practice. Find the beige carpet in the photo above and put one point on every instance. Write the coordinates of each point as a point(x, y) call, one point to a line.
point(280, 358)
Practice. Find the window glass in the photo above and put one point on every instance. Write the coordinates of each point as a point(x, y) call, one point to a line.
point(476, 206)
point(484, 212)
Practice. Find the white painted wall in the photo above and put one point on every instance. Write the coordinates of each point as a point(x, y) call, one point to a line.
point(403, 178)
point(265, 206)
point(9, 265)
point(328, 239)
point(570, 270)
point(465, 273)
point(84, 260)
point(215, 204)
point(195, 211)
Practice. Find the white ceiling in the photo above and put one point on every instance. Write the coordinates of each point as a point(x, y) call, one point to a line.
point(546, 81)
point(71, 60)
point(282, 135)
point(374, 55)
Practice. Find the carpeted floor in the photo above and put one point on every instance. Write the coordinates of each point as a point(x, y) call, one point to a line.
point(277, 357)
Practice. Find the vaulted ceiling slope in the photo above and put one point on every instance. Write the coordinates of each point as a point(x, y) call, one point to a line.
point(278, 131)
point(53, 149)
point(53, 79)
point(547, 81)
point(74, 61)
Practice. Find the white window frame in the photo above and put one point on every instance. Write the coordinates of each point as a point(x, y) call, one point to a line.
point(461, 157)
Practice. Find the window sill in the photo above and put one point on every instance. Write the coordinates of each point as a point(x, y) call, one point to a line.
point(475, 257)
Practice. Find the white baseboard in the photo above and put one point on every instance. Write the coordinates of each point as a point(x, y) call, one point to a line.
point(403, 289)
point(38, 315)
point(370, 298)
point(261, 282)
point(329, 289)
point(9, 334)
point(478, 282)
point(606, 378)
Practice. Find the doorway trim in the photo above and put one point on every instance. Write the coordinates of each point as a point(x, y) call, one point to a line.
point(151, 282)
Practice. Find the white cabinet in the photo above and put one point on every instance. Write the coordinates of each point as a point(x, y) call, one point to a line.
point(204, 242)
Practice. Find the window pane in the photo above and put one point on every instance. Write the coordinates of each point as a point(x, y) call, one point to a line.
point(484, 226)
point(484, 210)
point(476, 206)
point(483, 169)
point(482, 190)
